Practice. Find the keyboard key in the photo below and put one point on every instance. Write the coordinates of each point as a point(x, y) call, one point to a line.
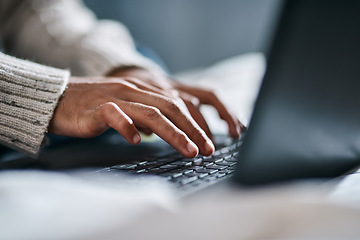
point(199, 175)
point(139, 162)
point(124, 166)
point(226, 171)
point(156, 171)
point(219, 175)
point(233, 147)
point(197, 161)
point(225, 150)
point(228, 157)
point(181, 163)
point(235, 154)
point(194, 161)
point(196, 168)
point(169, 175)
point(141, 171)
point(178, 179)
point(218, 160)
point(208, 164)
point(215, 166)
point(150, 165)
point(232, 167)
point(176, 175)
point(168, 166)
point(225, 163)
point(232, 159)
point(187, 171)
point(188, 180)
point(208, 171)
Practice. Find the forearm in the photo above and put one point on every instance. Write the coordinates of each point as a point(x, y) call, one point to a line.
point(65, 34)
point(29, 94)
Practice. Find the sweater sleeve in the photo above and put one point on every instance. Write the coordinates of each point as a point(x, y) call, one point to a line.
point(29, 93)
point(68, 35)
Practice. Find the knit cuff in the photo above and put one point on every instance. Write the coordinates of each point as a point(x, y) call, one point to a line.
point(29, 95)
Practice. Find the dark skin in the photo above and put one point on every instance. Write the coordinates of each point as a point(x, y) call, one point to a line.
point(192, 97)
point(132, 100)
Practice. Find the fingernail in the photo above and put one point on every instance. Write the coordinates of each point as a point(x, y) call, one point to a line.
point(209, 147)
point(136, 138)
point(243, 128)
point(192, 148)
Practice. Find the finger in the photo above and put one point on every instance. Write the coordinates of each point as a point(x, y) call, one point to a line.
point(193, 104)
point(111, 115)
point(151, 118)
point(171, 93)
point(152, 88)
point(210, 98)
point(147, 131)
point(133, 84)
point(243, 128)
point(176, 114)
point(145, 86)
point(232, 121)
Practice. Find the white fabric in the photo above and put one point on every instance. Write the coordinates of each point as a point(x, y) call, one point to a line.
point(41, 206)
point(65, 34)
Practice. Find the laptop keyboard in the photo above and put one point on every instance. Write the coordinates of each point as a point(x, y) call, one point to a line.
point(187, 173)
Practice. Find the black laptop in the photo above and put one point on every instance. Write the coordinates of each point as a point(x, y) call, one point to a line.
point(306, 121)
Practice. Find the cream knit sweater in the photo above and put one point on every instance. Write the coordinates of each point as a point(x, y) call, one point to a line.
point(58, 33)
point(29, 93)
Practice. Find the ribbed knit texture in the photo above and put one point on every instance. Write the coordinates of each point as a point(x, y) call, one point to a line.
point(29, 93)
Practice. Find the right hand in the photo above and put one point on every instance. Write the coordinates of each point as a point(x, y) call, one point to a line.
point(90, 106)
point(192, 97)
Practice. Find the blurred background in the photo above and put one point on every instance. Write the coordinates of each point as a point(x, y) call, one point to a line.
point(189, 34)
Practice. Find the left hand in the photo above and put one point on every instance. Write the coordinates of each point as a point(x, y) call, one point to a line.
point(192, 97)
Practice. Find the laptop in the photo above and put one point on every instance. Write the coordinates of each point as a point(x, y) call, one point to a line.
point(305, 124)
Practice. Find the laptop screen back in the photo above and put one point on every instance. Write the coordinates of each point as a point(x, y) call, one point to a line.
point(306, 121)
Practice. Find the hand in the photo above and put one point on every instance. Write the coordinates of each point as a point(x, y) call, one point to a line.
point(90, 106)
point(192, 97)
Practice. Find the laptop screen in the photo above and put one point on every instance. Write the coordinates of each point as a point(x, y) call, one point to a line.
point(306, 121)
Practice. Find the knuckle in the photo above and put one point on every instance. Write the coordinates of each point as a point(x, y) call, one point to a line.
point(174, 93)
point(112, 113)
point(172, 105)
point(125, 85)
point(179, 138)
point(211, 93)
point(198, 133)
point(152, 113)
point(113, 87)
point(124, 124)
point(107, 109)
point(133, 80)
point(194, 102)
